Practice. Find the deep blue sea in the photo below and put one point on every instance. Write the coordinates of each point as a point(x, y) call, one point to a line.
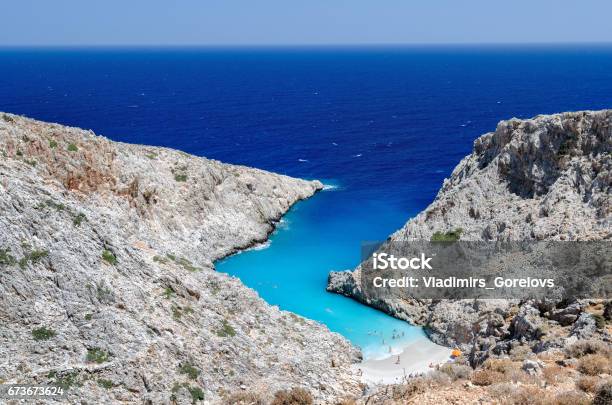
point(384, 125)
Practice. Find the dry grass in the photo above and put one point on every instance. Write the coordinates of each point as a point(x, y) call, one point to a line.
point(456, 371)
point(594, 364)
point(554, 374)
point(294, 396)
point(488, 377)
point(588, 383)
point(512, 394)
point(585, 347)
point(244, 398)
point(521, 353)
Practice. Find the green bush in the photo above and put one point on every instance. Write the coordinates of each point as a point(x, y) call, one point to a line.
point(79, 218)
point(6, 258)
point(43, 333)
point(52, 144)
point(450, 236)
point(180, 177)
point(600, 321)
point(226, 330)
point(191, 371)
point(109, 257)
point(108, 384)
point(97, 355)
point(72, 148)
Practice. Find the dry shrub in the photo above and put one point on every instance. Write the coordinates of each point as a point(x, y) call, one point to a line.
point(511, 370)
point(294, 396)
point(411, 388)
point(499, 365)
point(553, 374)
point(349, 401)
point(585, 347)
point(511, 394)
point(603, 396)
point(487, 377)
point(245, 398)
point(571, 398)
point(587, 383)
point(520, 353)
point(456, 371)
point(593, 364)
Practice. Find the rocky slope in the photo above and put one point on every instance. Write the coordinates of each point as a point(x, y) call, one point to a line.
point(546, 178)
point(107, 283)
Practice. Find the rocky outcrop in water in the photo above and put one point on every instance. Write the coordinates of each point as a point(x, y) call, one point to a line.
point(107, 284)
point(546, 178)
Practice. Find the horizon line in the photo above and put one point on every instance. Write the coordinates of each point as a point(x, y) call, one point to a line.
point(312, 45)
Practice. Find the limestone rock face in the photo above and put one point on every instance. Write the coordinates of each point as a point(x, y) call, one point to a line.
point(107, 283)
point(546, 178)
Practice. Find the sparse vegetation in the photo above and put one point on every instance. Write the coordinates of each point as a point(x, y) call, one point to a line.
point(66, 380)
point(456, 371)
point(43, 333)
point(52, 144)
point(108, 384)
point(72, 148)
point(181, 261)
point(151, 155)
point(191, 371)
point(97, 355)
point(7, 118)
point(109, 257)
point(6, 258)
point(584, 347)
point(600, 321)
point(588, 383)
point(196, 392)
point(603, 396)
point(180, 177)
point(294, 396)
point(160, 259)
point(78, 219)
point(226, 330)
point(33, 257)
point(593, 364)
point(168, 293)
point(450, 236)
point(103, 292)
point(88, 317)
point(245, 398)
point(487, 377)
point(178, 312)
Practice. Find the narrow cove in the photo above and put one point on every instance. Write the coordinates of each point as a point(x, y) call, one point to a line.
point(321, 234)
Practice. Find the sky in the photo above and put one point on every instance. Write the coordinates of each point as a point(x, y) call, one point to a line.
point(305, 22)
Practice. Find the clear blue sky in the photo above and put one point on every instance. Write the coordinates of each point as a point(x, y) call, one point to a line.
point(288, 22)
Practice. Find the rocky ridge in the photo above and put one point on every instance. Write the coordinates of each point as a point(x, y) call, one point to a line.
point(107, 284)
point(546, 178)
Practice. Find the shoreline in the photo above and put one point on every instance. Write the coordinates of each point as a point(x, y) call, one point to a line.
point(415, 358)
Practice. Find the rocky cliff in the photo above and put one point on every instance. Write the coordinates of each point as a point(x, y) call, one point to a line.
point(546, 178)
point(107, 284)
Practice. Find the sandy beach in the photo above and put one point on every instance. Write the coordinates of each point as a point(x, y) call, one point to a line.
point(415, 358)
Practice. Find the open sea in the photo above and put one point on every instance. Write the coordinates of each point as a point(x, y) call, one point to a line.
point(383, 125)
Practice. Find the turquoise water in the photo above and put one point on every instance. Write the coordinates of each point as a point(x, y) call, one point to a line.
point(318, 235)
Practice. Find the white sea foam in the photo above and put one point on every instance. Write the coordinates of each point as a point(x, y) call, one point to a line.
point(303, 160)
point(328, 187)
